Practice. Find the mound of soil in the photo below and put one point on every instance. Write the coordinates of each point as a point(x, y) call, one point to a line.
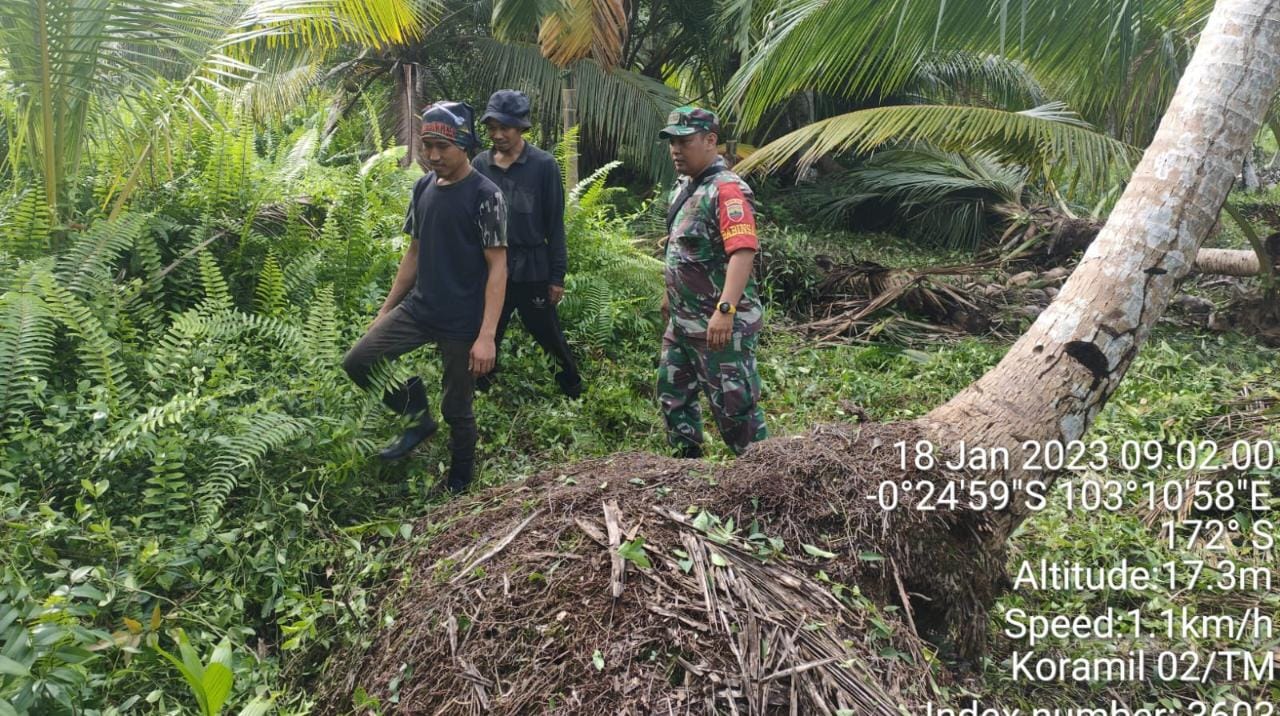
point(646, 585)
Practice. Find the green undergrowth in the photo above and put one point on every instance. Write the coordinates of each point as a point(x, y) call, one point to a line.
point(183, 460)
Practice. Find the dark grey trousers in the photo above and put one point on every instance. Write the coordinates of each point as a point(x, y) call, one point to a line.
point(398, 333)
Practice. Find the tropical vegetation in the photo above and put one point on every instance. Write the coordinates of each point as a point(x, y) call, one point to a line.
point(200, 210)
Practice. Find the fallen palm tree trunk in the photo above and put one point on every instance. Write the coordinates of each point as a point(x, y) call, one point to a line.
point(1230, 262)
point(1053, 242)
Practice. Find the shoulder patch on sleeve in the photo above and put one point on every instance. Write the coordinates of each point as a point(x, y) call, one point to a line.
point(735, 209)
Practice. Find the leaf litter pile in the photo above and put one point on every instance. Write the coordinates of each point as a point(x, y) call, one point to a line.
point(640, 584)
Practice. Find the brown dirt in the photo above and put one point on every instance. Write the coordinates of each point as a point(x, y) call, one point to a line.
point(512, 609)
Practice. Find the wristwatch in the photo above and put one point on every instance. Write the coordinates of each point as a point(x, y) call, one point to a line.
point(726, 307)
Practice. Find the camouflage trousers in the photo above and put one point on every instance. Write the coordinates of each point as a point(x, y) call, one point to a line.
point(729, 379)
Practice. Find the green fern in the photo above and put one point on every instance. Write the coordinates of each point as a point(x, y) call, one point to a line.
point(269, 294)
point(588, 308)
point(373, 115)
point(87, 266)
point(168, 488)
point(227, 172)
point(96, 349)
point(565, 153)
point(27, 230)
point(301, 276)
point(589, 195)
point(230, 326)
point(241, 453)
point(217, 297)
point(139, 430)
point(301, 155)
point(320, 335)
point(26, 349)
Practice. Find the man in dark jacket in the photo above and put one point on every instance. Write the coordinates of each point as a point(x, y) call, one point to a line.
point(536, 255)
point(448, 290)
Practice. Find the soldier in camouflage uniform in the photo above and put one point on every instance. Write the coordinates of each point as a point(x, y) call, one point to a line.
point(711, 305)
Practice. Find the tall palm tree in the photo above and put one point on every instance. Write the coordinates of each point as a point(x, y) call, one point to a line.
point(68, 59)
point(1055, 380)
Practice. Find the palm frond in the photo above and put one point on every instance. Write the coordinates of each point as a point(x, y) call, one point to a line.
point(959, 77)
point(1117, 59)
point(848, 48)
point(517, 20)
point(579, 29)
point(949, 197)
point(330, 23)
point(280, 86)
point(567, 30)
point(62, 56)
point(1041, 138)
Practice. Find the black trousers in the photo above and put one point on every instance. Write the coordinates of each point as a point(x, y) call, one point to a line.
point(398, 333)
point(538, 314)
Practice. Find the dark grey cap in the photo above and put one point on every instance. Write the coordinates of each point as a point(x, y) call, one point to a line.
point(509, 107)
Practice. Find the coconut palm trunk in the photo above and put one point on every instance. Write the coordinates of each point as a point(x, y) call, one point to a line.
point(1056, 379)
point(1228, 262)
point(569, 102)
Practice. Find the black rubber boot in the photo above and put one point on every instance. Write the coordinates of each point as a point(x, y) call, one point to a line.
point(425, 428)
point(570, 385)
point(689, 451)
point(462, 466)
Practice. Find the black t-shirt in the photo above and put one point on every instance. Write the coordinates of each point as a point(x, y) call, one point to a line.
point(453, 224)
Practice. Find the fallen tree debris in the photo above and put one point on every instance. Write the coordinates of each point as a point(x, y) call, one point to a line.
point(747, 603)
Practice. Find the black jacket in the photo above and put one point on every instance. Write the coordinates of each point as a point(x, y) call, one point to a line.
point(535, 214)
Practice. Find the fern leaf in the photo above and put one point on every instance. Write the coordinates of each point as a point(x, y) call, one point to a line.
point(26, 232)
point(26, 348)
point(217, 297)
point(134, 433)
point(566, 153)
point(301, 276)
point(89, 261)
point(268, 295)
point(263, 433)
point(593, 182)
point(320, 334)
point(97, 350)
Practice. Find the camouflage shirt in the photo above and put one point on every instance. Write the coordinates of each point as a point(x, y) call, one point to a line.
point(717, 219)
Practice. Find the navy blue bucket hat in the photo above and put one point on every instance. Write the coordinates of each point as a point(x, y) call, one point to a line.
point(509, 107)
point(454, 121)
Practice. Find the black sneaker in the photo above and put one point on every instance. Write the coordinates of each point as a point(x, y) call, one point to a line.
point(569, 385)
point(411, 439)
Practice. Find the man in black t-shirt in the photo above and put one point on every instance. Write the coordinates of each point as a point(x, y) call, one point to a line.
point(448, 290)
point(536, 256)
